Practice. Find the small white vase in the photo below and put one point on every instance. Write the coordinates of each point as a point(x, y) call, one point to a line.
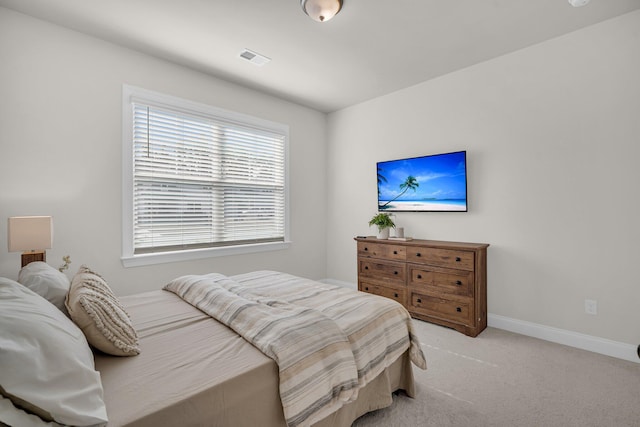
point(383, 234)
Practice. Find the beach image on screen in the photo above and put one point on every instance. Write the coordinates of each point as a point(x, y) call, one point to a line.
point(429, 183)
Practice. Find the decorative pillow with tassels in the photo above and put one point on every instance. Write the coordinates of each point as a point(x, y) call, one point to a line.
point(93, 306)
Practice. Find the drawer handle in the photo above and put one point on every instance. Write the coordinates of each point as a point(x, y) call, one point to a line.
point(366, 249)
point(366, 267)
point(419, 300)
point(395, 252)
point(395, 295)
point(458, 309)
point(458, 259)
point(395, 272)
point(418, 254)
point(458, 282)
point(419, 276)
point(366, 289)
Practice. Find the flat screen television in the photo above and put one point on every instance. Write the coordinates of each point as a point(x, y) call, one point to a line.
point(435, 183)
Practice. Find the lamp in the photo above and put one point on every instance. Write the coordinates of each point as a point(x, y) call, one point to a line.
point(321, 10)
point(32, 234)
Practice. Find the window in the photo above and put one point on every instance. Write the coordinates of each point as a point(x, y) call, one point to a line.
point(199, 181)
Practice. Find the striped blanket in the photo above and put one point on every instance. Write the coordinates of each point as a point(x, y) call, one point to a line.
point(327, 341)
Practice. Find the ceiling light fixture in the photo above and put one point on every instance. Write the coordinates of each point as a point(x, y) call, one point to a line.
point(321, 10)
point(578, 3)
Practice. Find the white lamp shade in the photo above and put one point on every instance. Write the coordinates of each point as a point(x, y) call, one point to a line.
point(26, 233)
point(321, 10)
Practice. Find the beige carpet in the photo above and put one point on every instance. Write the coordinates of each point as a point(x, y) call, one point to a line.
point(504, 379)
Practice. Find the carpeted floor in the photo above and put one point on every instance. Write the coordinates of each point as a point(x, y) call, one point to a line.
point(504, 379)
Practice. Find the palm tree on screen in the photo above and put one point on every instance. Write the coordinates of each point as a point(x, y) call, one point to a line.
point(381, 180)
point(411, 183)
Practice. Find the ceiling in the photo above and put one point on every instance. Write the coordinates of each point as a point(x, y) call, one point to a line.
point(371, 48)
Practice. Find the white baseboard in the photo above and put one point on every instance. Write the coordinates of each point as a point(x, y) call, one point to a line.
point(561, 336)
point(565, 337)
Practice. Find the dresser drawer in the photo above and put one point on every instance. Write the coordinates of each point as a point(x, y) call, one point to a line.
point(397, 294)
point(448, 258)
point(382, 250)
point(441, 308)
point(388, 272)
point(456, 282)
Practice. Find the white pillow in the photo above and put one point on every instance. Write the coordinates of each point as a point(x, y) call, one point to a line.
point(12, 416)
point(47, 282)
point(94, 307)
point(47, 365)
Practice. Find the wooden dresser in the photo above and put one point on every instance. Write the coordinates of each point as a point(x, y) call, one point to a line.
point(440, 282)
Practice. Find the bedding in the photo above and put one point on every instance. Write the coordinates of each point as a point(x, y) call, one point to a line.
point(193, 370)
point(327, 341)
point(47, 365)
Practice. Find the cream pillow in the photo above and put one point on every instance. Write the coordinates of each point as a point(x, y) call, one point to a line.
point(47, 282)
point(96, 310)
point(46, 365)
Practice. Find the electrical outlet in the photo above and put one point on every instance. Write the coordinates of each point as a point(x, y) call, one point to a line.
point(590, 306)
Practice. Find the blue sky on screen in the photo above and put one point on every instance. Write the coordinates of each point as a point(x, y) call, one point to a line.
point(440, 177)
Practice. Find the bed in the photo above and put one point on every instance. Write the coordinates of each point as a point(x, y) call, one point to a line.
point(193, 370)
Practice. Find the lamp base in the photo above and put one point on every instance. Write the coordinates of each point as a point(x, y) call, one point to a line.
point(32, 256)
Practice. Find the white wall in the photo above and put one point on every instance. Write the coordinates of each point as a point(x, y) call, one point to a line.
point(551, 134)
point(60, 151)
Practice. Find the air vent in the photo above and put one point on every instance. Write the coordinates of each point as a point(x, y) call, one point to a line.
point(578, 3)
point(254, 57)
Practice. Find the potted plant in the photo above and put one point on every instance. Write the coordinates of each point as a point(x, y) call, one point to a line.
point(384, 222)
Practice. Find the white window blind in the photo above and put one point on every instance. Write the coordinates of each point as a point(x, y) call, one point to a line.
point(200, 180)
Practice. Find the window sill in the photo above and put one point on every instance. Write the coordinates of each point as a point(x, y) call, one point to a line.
point(166, 257)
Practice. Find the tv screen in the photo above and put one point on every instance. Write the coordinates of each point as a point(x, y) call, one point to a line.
point(436, 183)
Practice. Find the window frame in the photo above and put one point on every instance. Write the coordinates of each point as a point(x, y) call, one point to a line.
point(131, 259)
